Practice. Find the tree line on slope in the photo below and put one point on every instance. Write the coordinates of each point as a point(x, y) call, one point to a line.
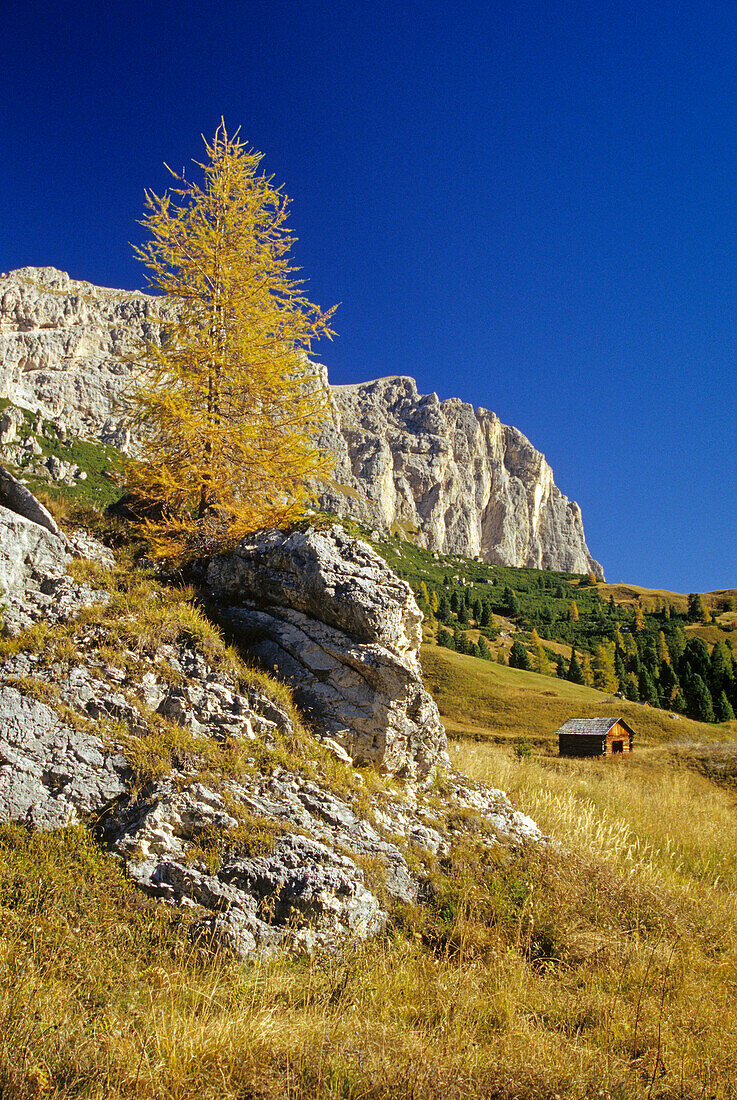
point(647, 656)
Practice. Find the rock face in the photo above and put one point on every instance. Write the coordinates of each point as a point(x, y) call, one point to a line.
point(51, 774)
point(235, 822)
point(451, 477)
point(345, 632)
point(63, 344)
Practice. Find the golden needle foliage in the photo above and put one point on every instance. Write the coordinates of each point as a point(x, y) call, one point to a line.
point(227, 402)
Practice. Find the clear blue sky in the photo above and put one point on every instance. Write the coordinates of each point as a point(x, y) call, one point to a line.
point(530, 205)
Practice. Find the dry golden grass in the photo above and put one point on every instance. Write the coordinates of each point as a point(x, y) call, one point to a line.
point(603, 965)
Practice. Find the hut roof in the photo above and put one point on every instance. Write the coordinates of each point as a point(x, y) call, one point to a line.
point(587, 727)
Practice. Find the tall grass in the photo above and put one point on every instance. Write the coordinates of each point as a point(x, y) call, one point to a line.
point(602, 966)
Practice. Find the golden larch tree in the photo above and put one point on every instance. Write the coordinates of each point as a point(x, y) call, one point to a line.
point(226, 405)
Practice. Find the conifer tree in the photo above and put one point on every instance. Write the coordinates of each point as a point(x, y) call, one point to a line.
point(605, 676)
point(227, 403)
point(573, 614)
point(663, 652)
point(519, 657)
point(575, 673)
point(723, 709)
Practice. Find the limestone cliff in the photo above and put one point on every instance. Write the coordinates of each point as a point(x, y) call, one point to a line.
point(453, 478)
point(449, 476)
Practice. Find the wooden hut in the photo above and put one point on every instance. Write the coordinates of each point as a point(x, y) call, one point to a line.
point(595, 737)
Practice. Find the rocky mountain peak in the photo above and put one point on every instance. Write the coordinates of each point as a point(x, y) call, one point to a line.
point(448, 476)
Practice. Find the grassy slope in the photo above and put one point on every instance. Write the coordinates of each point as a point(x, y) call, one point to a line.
point(604, 966)
point(482, 699)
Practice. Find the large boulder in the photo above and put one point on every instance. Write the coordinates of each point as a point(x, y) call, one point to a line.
point(326, 611)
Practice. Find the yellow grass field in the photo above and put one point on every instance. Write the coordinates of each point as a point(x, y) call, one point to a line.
point(602, 966)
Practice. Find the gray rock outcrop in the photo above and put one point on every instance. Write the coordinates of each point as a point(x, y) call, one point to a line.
point(344, 631)
point(264, 850)
point(51, 773)
point(63, 348)
point(451, 477)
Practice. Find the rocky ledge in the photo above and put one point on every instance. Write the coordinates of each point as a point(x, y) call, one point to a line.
point(325, 611)
point(214, 793)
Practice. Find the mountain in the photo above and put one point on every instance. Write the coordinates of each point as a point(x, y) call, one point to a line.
point(452, 478)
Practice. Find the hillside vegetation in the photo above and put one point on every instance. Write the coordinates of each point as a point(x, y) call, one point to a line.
point(603, 965)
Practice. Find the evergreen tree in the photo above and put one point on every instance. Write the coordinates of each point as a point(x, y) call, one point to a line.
point(646, 689)
point(575, 673)
point(462, 612)
point(696, 610)
point(445, 638)
point(696, 657)
point(723, 709)
point(227, 402)
point(486, 614)
point(444, 613)
point(631, 689)
point(477, 611)
point(484, 651)
point(721, 671)
point(668, 686)
point(519, 657)
point(560, 667)
point(698, 700)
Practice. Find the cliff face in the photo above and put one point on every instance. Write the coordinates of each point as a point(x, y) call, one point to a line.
point(453, 478)
point(63, 345)
point(449, 476)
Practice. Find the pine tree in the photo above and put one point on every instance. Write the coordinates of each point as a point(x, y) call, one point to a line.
point(519, 657)
point(696, 610)
point(575, 674)
point(227, 402)
point(560, 667)
point(486, 614)
point(484, 651)
point(723, 709)
point(698, 699)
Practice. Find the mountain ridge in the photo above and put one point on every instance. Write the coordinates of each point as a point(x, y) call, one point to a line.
point(453, 478)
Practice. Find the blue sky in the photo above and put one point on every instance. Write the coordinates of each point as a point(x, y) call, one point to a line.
point(530, 205)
